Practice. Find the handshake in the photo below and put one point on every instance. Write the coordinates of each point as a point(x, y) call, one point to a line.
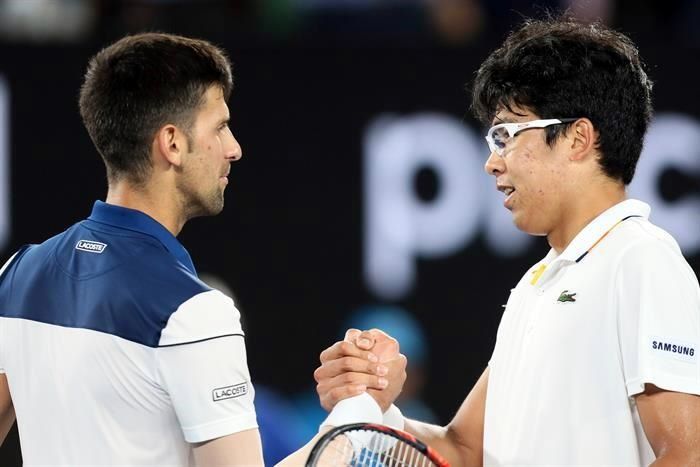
point(360, 377)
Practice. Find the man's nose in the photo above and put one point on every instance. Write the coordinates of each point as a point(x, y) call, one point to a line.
point(495, 164)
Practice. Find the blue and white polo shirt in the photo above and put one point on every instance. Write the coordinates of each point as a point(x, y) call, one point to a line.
point(115, 352)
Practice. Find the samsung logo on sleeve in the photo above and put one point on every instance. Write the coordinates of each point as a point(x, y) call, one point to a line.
point(229, 392)
point(678, 350)
point(90, 246)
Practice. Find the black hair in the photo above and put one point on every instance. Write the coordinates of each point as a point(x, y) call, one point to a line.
point(563, 68)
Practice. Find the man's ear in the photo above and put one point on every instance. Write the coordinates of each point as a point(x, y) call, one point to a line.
point(583, 137)
point(170, 144)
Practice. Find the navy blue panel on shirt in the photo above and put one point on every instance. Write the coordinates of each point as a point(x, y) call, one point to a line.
point(130, 219)
point(115, 275)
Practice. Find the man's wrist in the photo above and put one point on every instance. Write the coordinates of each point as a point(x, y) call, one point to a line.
point(357, 409)
point(393, 418)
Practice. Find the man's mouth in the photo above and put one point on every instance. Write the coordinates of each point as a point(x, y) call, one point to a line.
point(505, 189)
point(508, 191)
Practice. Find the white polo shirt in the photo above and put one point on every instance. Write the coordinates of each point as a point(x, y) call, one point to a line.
point(618, 308)
point(115, 352)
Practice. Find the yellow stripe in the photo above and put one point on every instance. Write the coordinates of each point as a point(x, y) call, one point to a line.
point(537, 273)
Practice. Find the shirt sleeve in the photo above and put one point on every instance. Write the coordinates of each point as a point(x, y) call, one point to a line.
point(658, 304)
point(203, 367)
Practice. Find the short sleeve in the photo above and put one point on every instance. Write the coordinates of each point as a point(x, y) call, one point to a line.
point(203, 367)
point(658, 304)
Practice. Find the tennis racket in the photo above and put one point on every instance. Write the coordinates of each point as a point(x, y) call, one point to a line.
point(370, 445)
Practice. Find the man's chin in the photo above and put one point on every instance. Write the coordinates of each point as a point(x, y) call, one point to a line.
point(527, 226)
point(207, 209)
point(216, 209)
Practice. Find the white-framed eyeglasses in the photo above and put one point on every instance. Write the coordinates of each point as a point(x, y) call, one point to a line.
point(500, 135)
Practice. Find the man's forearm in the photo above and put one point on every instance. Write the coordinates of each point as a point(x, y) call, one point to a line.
point(299, 457)
point(446, 441)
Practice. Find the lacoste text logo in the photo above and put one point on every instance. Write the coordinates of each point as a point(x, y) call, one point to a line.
point(91, 247)
point(229, 392)
point(566, 296)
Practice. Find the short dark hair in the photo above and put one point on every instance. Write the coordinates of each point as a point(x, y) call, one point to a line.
point(563, 68)
point(140, 83)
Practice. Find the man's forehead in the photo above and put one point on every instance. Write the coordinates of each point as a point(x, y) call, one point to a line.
point(511, 113)
point(213, 107)
point(214, 93)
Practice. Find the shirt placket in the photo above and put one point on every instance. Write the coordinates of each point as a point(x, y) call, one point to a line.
point(540, 297)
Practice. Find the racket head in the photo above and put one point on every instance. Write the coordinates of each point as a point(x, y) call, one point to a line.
point(372, 445)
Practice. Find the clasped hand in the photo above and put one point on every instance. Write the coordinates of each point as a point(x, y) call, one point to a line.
point(364, 361)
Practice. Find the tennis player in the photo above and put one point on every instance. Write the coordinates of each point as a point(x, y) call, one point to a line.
point(112, 351)
point(596, 358)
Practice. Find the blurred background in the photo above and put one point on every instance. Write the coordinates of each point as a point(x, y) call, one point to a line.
point(360, 199)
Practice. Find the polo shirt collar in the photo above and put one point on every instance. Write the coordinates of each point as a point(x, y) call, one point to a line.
point(137, 221)
point(601, 225)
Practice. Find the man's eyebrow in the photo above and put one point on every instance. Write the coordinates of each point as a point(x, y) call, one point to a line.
point(497, 120)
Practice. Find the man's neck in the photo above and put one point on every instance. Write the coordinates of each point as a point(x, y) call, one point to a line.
point(161, 207)
point(579, 215)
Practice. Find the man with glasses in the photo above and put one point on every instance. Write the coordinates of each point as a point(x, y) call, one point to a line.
point(596, 358)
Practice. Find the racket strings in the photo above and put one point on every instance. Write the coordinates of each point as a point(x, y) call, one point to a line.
point(363, 448)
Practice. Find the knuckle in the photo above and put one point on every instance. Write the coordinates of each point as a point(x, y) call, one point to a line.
point(349, 378)
point(345, 347)
point(326, 354)
point(326, 403)
point(394, 345)
point(346, 364)
point(403, 360)
point(336, 394)
point(322, 386)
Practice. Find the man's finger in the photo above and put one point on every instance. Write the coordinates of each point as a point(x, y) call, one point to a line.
point(333, 368)
point(365, 340)
point(351, 334)
point(346, 349)
point(355, 379)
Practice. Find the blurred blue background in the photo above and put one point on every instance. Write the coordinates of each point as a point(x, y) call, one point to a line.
point(360, 199)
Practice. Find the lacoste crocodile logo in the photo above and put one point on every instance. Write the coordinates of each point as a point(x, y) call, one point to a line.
point(567, 297)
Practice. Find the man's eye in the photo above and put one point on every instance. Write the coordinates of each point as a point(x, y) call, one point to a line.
point(501, 138)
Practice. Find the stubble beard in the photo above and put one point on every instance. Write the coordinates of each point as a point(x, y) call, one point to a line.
point(200, 204)
point(210, 204)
